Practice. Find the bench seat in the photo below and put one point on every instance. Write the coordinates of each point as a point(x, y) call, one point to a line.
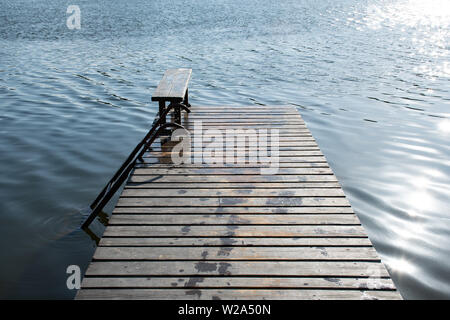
point(173, 88)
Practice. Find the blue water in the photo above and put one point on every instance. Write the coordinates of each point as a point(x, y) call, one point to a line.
point(370, 78)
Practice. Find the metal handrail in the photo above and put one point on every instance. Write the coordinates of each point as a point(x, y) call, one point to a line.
point(124, 171)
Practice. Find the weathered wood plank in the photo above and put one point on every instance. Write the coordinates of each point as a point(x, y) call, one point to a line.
point(230, 294)
point(219, 185)
point(243, 113)
point(240, 282)
point(150, 164)
point(236, 253)
point(228, 171)
point(233, 202)
point(234, 241)
point(236, 268)
point(239, 122)
point(248, 117)
point(197, 161)
point(241, 156)
point(199, 219)
point(256, 178)
point(244, 126)
point(176, 193)
point(302, 139)
point(173, 85)
point(235, 231)
point(245, 108)
point(234, 150)
point(300, 142)
point(298, 131)
point(235, 210)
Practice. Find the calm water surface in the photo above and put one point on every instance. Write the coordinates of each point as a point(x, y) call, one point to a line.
point(371, 79)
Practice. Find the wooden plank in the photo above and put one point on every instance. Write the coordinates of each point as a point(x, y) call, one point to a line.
point(156, 159)
point(247, 219)
point(246, 126)
point(173, 85)
point(235, 231)
point(244, 108)
point(242, 154)
point(303, 140)
point(244, 112)
point(150, 164)
point(236, 154)
point(238, 121)
point(236, 254)
point(208, 145)
point(244, 146)
point(240, 282)
point(227, 185)
point(235, 268)
point(177, 193)
point(282, 132)
point(230, 171)
point(233, 241)
point(297, 138)
point(259, 152)
point(233, 202)
point(148, 177)
point(249, 119)
point(240, 117)
point(230, 294)
point(227, 118)
point(245, 149)
point(234, 210)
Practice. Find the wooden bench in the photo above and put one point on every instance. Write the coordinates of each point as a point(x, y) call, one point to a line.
point(173, 88)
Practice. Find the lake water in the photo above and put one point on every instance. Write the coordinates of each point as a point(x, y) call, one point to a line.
point(370, 78)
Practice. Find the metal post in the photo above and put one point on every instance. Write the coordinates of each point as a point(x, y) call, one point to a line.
point(162, 107)
point(186, 99)
point(177, 113)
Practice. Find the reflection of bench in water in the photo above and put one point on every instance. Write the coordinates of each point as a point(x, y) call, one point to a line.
point(205, 230)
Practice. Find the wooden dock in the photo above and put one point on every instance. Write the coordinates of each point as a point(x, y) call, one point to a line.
point(226, 231)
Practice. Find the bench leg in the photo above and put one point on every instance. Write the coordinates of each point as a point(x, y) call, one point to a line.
point(186, 99)
point(162, 107)
point(177, 113)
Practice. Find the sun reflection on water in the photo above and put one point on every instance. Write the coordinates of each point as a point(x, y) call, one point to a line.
point(444, 126)
point(426, 24)
point(400, 265)
point(420, 199)
point(410, 13)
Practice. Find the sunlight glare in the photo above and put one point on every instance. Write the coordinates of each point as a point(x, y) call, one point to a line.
point(444, 126)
